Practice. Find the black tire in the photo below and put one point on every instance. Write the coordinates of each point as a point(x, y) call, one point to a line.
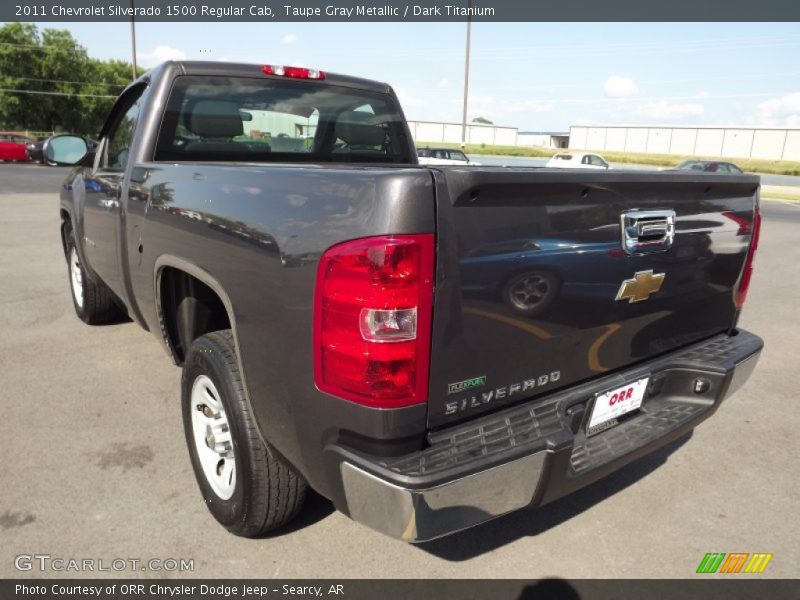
point(267, 492)
point(94, 303)
point(530, 293)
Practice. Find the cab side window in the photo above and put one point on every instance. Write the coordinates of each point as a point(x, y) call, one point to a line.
point(120, 137)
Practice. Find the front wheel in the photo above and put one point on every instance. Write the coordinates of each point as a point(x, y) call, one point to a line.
point(93, 302)
point(246, 485)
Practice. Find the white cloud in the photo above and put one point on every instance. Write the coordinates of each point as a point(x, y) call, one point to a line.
point(703, 94)
point(617, 86)
point(668, 110)
point(162, 53)
point(780, 112)
point(407, 99)
point(289, 38)
point(781, 106)
point(444, 82)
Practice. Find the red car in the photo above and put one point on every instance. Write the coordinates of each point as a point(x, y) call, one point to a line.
point(14, 146)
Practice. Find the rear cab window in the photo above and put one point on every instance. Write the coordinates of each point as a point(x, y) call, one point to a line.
point(244, 119)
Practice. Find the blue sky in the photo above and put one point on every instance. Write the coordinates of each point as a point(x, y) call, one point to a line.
point(535, 76)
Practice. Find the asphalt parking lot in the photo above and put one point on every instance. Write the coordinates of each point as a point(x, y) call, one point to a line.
point(96, 465)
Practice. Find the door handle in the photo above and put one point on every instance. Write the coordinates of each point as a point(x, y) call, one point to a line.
point(647, 231)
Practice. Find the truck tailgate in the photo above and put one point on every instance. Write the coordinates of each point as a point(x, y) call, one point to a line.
point(536, 289)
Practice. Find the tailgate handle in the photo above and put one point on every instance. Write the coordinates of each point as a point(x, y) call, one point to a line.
point(652, 230)
point(647, 231)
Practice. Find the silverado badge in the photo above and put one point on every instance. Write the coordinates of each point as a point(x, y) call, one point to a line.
point(640, 286)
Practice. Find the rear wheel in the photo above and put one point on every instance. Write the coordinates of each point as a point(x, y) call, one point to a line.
point(93, 302)
point(246, 485)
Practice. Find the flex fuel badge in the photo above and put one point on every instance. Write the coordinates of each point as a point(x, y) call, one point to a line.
point(467, 384)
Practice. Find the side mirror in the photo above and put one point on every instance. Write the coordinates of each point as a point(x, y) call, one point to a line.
point(65, 149)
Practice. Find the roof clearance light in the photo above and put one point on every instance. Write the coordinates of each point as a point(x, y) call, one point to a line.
point(293, 72)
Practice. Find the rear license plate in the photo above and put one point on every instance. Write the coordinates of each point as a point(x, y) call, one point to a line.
point(611, 405)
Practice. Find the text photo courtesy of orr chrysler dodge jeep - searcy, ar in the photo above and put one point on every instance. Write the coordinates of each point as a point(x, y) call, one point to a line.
point(427, 346)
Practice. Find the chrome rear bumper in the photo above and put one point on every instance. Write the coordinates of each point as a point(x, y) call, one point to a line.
point(425, 514)
point(465, 478)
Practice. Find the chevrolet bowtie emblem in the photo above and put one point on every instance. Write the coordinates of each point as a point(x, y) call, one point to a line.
point(640, 287)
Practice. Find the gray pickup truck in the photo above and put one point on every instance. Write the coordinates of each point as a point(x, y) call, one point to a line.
point(427, 347)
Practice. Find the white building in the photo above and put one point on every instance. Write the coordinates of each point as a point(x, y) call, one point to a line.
point(543, 139)
point(441, 131)
point(729, 142)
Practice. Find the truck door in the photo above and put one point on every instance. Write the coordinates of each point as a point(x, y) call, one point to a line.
point(104, 188)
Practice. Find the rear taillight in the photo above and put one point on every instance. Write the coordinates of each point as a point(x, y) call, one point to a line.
point(747, 273)
point(372, 320)
point(293, 72)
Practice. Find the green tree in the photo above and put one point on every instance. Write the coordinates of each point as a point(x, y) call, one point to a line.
point(482, 121)
point(19, 66)
point(110, 79)
point(48, 82)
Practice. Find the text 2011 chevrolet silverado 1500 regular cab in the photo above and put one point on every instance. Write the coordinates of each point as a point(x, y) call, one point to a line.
point(429, 348)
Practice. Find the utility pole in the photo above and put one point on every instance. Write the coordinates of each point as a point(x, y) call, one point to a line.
point(133, 41)
point(466, 77)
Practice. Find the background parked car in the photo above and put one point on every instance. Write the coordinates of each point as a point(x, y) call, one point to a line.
point(578, 160)
point(35, 150)
point(13, 146)
point(709, 166)
point(528, 274)
point(443, 156)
